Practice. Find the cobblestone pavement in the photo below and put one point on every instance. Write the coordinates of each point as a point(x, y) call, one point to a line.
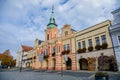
point(36, 76)
point(30, 74)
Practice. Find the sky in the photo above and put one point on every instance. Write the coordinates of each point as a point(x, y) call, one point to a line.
point(22, 21)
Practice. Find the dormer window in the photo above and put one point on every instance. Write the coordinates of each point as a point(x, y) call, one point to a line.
point(66, 33)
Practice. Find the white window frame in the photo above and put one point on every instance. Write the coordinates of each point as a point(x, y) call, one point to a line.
point(118, 40)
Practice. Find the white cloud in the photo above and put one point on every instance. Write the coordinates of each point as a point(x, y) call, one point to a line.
point(21, 21)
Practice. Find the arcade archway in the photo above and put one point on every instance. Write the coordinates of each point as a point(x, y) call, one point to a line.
point(83, 64)
point(54, 63)
point(47, 64)
point(69, 64)
point(105, 63)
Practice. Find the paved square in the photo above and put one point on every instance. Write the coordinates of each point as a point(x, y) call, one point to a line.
point(30, 74)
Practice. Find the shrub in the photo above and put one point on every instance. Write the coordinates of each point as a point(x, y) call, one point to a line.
point(101, 73)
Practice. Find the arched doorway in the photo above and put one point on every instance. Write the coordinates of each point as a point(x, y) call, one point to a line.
point(104, 63)
point(46, 64)
point(28, 64)
point(68, 64)
point(54, 63)
point(83, 64)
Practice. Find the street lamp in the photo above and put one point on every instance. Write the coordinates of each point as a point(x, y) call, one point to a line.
point(0, 62)
point(41, 57)
point(9, 65)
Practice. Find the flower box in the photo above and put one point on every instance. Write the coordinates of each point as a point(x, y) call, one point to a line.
point(46, 56)
point(98, 47)
point(104, 45)
point(53, 54)
point(90, 48)
point(65, 52)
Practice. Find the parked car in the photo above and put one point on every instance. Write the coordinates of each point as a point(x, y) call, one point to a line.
point(3, 67)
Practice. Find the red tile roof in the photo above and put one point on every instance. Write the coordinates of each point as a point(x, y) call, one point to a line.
point(26, 48)
point(1, 54)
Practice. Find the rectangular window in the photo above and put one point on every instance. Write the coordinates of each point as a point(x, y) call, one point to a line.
point(66, 33)
point(90, 42)
point(79, 45)
point(83, 43)
point(53, 50)
point(103, 39)
point(97, 41)
point(119, 39)
point(64, 47)
point(58, 48)
point(48, 37)
point(68, 46)
point(46, 51)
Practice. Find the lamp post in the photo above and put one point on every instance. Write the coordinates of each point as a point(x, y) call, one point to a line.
point(59, 43)
point(0, 62)
point(41, 56)
point(9, 65)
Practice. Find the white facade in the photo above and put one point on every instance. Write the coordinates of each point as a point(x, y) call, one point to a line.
point(24, 59)
point(19, 57)
point(115, 34)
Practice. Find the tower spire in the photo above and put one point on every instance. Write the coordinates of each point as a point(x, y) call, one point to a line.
point(52, 23)
point(52, 8)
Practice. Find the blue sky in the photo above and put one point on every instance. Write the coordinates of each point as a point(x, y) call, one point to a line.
point(22, 21)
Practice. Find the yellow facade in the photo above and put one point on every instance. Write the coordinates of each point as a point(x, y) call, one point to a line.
point(97, 30)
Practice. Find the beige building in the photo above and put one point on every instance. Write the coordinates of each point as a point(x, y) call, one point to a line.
point(31, 58)
point(90, 44)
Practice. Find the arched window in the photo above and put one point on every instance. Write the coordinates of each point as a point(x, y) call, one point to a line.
point(48, 37)
point(66, 33)
point(55, 35)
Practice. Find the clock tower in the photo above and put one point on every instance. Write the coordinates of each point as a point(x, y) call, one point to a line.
point(51, 30)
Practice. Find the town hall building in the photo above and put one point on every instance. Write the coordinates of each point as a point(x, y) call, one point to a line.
point(90, 49)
